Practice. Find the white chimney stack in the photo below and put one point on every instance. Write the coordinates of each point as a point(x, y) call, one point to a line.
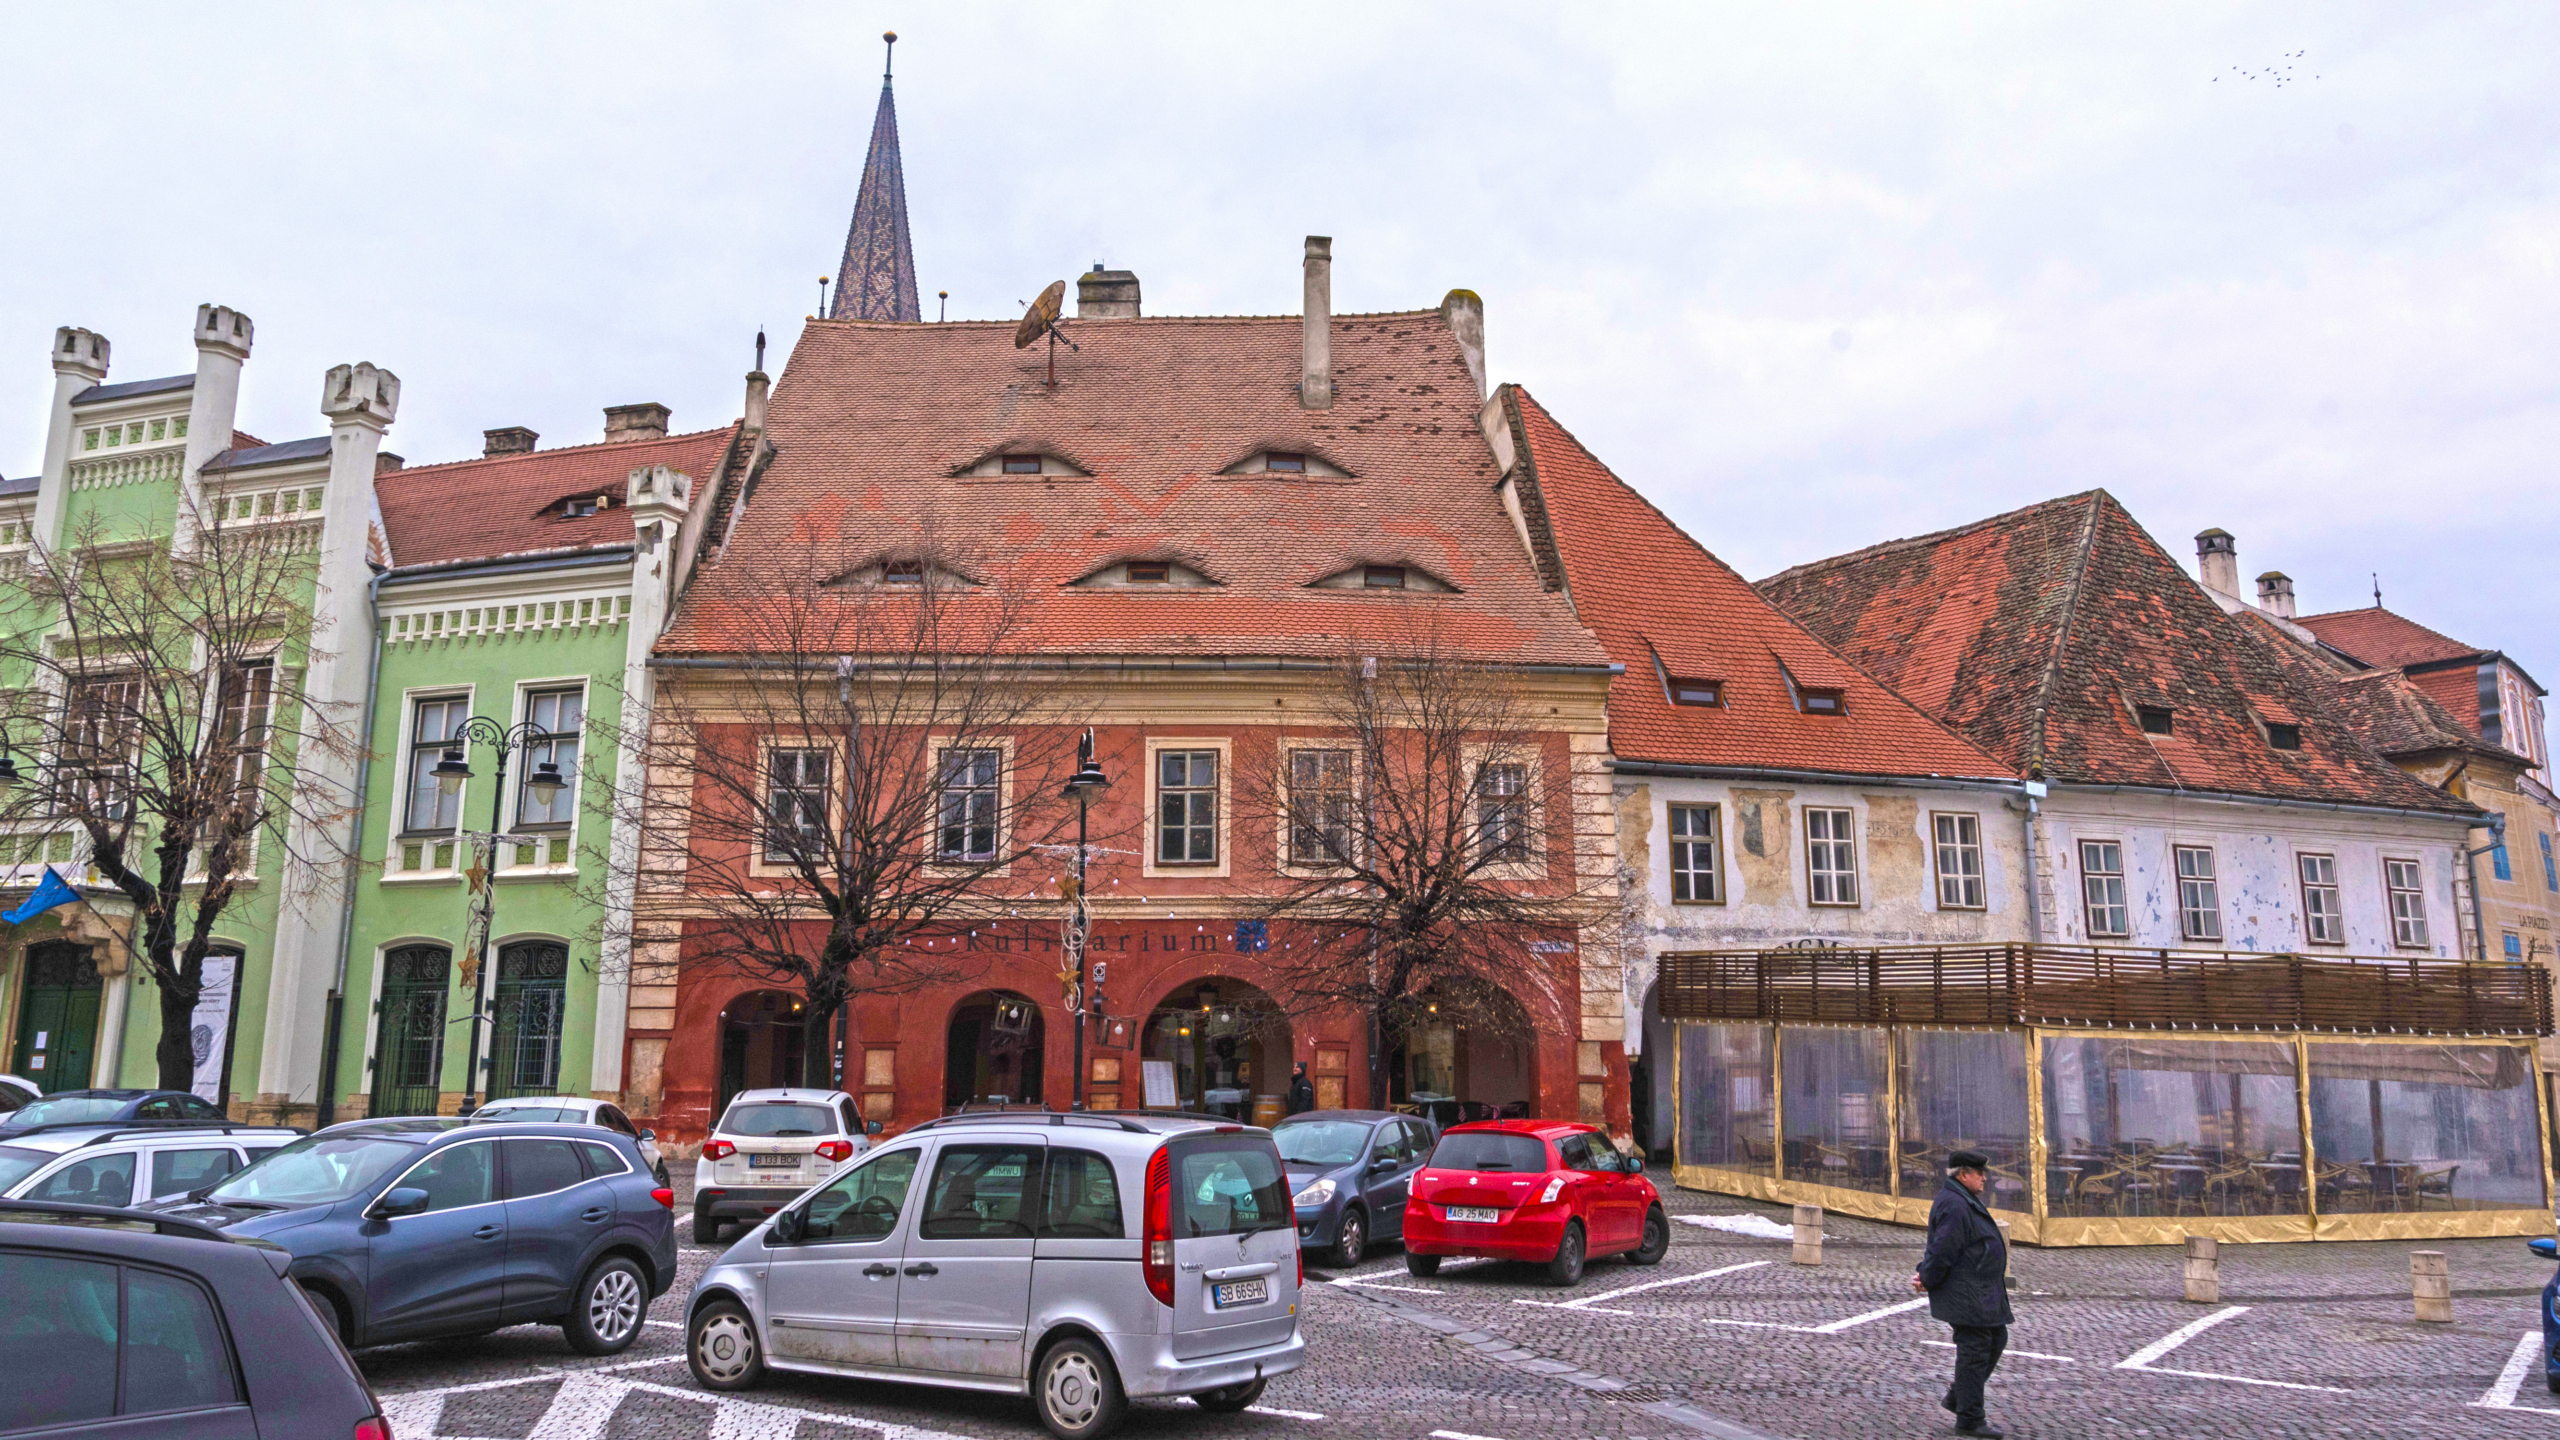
point(1315, 385)
point(2275, 593)
point(2218, 563)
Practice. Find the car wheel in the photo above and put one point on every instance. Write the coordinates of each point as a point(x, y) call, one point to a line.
point(331, 1311)
point(1422, 1265)
point(658, 1172)
point(1656, 1242)
point(606, 1310)
point(1078, 1391)
point(1231, 1399)
point(1566, 1268)
point(2553, 1381)
point(1353, 1242)
point(706, 1226)
point(722, 1349)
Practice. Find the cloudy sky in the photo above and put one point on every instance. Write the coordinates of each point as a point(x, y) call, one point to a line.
point(1811, 278)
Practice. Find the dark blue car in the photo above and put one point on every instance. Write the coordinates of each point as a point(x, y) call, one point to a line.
point(1348, 1170)
point(80, 1107)
point(417, 1229)
point(2549, 1249)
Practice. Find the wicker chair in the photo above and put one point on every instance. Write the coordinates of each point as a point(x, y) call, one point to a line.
point(2436, 1183)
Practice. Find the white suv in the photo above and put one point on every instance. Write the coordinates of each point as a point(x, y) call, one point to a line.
point(768, 1146)
point(131, 1163)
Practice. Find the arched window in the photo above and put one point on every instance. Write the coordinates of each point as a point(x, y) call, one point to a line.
point(533, 996)
point(408, 1052)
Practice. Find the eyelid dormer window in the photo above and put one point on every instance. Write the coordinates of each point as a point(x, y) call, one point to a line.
point(1285, 461)
point(1010, 463)
point(1022, 465)
point(1293, 464)
point(1381, 577)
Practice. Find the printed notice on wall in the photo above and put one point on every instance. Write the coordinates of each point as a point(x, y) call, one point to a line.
point(1159, 1078)
point(209, 1029)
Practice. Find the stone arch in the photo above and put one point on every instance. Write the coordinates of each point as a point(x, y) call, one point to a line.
point(993, 1050)
point(1223, 1043)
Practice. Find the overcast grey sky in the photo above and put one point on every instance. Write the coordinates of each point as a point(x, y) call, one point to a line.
point(1809, 278)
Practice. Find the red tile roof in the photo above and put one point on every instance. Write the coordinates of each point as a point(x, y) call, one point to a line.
point(2035, 633)
point(1646, 588)
point(2374, 636)
point(2391, 712)
point(872, 421)
point(486, 508)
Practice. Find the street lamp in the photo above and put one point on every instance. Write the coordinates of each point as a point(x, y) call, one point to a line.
point(545, 783)
point(1087, 782)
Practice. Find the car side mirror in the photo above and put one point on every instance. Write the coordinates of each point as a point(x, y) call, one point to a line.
point(1635, 1162)
point(407, 1200)
point(871, 1129)
point(786, 1227)
point(648, 1134)
point(2546, 1247)
point(1383, 1164)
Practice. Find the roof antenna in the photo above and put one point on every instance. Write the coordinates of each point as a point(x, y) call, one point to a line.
point(887, 64)
point(759, 349)
point(822, 299)
point(2377, 589)
point(945, 312)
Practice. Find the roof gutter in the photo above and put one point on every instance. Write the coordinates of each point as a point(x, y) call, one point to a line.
point(2229, 798)
point(827, 665)
point(564, 560)
point(1815, 777)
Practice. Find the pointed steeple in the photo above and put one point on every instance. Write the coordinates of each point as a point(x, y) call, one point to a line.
point(878, 279)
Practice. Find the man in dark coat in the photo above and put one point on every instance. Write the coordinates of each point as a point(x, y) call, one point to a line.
point(1965, 1273)
point(1302, 1091)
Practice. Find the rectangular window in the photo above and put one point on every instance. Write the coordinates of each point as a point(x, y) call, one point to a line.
point(2515, 946)
point(1186, 807)
point(2550, 871)
point(435, 725)
point(795, 803)
point(2404, 880)
point(969, 779)
point(902, 572)
point(1697, 692)
point(2322, 921)
point(159, 429)
point(558, 715)
point(102, 744)
point(1822, 702)
point(1287, 462)
point(2156, 719)
point(2284, 737)
point(1382, 577)
point(1959, 847)
point(1502, 811)
point(2498, 862)
point(1697, 874)
point(1022, 464)
point(2102, 888)
point(2199, 898)
point(1149, 572)
point(1319, 807)
point(248, 701)
point(89, 440)
point(1831, 857)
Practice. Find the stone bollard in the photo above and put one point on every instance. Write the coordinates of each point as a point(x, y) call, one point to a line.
point(2431, 1285)
point(1808, 1235)
point(2204, 1271)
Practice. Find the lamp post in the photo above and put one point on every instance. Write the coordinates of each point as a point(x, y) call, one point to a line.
point(1083, 785)
point(450, 772)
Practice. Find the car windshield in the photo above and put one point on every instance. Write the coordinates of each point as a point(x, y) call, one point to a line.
point(70, 1110)
point(1489, 1150)
point(18, 1162)
point(1321, 1142)
point(315, 1170)
point(777, 1118)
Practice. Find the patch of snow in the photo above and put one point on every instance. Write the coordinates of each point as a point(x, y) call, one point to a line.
point(1758, 1227)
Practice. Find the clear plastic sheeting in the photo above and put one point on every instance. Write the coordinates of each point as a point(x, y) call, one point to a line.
point(1726, 1115)
point(2412, 1128)
point(2151, 1126)
point(1833, 1090)
point(1964, 1090)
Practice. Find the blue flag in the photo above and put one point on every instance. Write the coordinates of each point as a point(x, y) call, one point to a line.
point(50, 892)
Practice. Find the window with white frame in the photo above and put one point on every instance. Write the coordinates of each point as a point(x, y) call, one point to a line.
point(2199, 897)
point(102, 743)
point(1697, 875)
point(1320, 799)
point(557, 716)
point(434, 726)
point(2102, 888)
point(1186, 807)
point(1830, 856)
point(1502, 810)
point(2323, 923)
point(970, 796)
point(248, 704)
point(2406, 882)
point(796, 783)
point(1959, 847)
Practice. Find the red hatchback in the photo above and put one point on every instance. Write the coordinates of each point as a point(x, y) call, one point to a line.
point(1535, 1190)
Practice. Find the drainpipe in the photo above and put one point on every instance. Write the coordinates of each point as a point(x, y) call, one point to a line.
point(2033, 790)
point(337, 1008)
point(2471, 871)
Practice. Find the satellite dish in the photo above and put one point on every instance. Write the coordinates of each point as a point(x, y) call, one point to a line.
point(1042, 314)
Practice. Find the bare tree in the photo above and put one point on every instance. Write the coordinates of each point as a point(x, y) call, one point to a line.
point(1431, 853)
point(157, 687)
point(852, 778)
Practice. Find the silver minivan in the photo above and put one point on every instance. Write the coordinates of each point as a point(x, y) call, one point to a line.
point(1079, 1259)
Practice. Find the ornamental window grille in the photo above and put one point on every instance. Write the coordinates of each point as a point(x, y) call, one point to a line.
point(408, 1064)
point(530, 1007)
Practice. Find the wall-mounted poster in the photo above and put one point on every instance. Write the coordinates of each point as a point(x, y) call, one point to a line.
point(209, 1028)
point(1159, 1084)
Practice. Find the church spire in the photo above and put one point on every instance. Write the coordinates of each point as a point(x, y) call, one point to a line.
point(878, 279)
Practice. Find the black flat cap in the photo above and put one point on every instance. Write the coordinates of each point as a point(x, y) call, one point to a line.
point(1968, 1160)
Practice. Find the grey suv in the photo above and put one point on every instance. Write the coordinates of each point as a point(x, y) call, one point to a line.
point(1077, 1259)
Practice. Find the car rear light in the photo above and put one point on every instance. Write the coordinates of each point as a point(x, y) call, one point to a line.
point(1554, 1188)
point(664, 1197)
point(373, 1427)
point(718, 1149)
point(1302, 1267)
point(835, 1149)
point(1159, 1226)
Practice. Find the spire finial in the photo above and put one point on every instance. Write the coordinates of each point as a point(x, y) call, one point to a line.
point(759, 348)
point(888, 64)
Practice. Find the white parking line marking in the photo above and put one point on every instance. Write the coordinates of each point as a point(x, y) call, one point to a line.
point(2504, 1392)
point(585, 1405)
point(2141, 1359)
point(1457, 1435)
point(1283, 1414)
point(2005, 1354)
point(1590, 1300)
point(1833, 1328)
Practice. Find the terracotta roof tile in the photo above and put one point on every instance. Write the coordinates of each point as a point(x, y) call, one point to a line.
point(486, 508)
point(2036, 633)
point(870, 421)
point(2375, 636)
point(1646, 588)
point(2388, 710)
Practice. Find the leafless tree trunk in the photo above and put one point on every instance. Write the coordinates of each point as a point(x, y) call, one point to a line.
point(856, 775)
point(158, 691)
point(1429, 842)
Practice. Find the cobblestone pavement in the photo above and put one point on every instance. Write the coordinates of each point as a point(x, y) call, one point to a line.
point(1726, 1338)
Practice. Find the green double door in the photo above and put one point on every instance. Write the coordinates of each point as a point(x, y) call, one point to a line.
point(57, 1017)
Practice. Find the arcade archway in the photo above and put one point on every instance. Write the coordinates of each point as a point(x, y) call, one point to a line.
point(992, 1051)
point(1216, 1046)
point(763, 1043)
point(1465, 1056)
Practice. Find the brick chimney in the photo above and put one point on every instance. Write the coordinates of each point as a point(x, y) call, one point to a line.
point(1106, 294)
point(2218, 563)
point(507, 440)
point(2275, 593)
point(1315, 383)
point(635, 422)
point(385, 462)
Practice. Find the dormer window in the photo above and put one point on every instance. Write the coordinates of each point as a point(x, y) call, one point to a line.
point(1286, 461)
point(2160, 720)
point(1022, 465)
point(1365, 576)
point(1288, 464)
point(1016, 464)
point(1697, 692)
point(902, 572)
point(1814, 700)
point(2284, 737)
point(1381, 577)
point(1149, 572)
